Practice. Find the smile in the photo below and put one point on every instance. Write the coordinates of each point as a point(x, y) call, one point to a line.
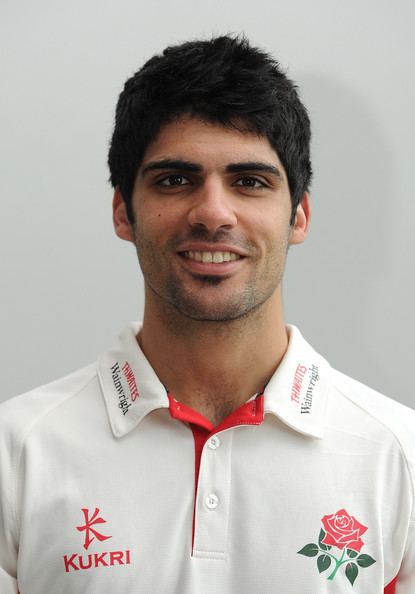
point(211, 257)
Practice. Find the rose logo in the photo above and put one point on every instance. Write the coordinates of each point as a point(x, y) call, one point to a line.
point(343, 531)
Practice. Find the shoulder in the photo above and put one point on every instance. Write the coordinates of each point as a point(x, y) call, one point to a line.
point(19, 415)
point(29, 424)
point(366, 413)
point(377, 408)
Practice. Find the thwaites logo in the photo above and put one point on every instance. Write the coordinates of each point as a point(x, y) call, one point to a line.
point(304, 383)
point(125, 385)
point(83, 561)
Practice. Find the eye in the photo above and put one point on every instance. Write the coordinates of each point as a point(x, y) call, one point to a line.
point(173, 180)
point(247, 181)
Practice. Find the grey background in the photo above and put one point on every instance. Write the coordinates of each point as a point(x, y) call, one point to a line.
point(69, 285)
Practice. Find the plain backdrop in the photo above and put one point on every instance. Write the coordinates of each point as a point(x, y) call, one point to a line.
point(68, 285)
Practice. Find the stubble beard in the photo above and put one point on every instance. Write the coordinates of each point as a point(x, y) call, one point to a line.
point(172, 295)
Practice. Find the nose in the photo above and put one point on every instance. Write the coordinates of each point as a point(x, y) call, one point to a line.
point(213, 207)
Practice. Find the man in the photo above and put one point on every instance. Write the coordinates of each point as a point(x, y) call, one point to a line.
point(213, 450)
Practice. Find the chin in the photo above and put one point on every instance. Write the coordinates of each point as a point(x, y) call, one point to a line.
point(206, 313)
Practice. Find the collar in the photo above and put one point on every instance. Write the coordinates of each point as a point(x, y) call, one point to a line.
point(129, 384)
point(296, 393)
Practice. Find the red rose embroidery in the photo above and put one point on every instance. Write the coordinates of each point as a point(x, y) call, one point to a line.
point(343, 531)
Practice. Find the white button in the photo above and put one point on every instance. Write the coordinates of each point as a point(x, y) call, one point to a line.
point(214, 442)
point(212, 501)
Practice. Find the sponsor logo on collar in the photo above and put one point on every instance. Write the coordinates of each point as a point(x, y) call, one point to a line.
point(304, 383)
point(81, 561)
point(125, 385)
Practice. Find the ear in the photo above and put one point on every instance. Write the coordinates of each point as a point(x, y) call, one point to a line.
point(122, 225)
point(301, 222)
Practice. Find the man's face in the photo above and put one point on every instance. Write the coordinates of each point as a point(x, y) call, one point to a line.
point(212, 209)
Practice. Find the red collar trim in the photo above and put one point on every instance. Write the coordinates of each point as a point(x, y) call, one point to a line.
point(250, 413)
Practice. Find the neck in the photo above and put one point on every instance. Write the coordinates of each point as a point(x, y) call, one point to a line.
point(214, 367)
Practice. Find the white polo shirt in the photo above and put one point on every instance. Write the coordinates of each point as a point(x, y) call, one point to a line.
point(109, 485)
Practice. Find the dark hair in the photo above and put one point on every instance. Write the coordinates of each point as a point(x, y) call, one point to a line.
point(224, 81)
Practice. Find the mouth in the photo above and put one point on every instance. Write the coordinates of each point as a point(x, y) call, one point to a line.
point(210, 257)
point(211, 262)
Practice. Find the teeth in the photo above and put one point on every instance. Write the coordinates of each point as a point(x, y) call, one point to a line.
point(211, 257)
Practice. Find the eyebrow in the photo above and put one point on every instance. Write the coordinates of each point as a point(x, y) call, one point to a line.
point(253, 166)
point(189, 166)
point(172, 164)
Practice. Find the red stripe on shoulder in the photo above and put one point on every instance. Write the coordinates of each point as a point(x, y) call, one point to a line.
point(390, 588)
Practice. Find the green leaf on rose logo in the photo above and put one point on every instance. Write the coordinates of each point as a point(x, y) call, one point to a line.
point(323, 563)
point(365, 560)
point(323, 546)
point(309, 550)
point(352, 572)
point(343, 531)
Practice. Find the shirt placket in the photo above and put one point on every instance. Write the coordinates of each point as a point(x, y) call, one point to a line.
point(213, 494)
